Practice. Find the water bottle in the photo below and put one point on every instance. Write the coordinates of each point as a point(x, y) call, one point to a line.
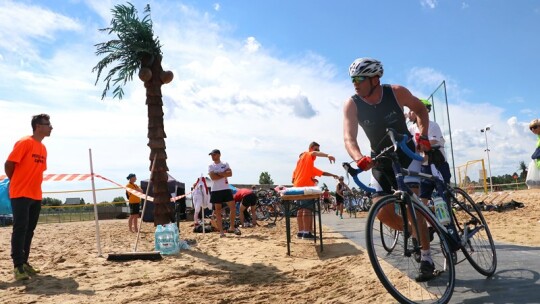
point(441, 211)
point(166, 239)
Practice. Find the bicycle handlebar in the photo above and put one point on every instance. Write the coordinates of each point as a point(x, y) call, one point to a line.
point(398, 141)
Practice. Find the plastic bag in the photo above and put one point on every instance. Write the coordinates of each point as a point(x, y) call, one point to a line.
point(5, 202)
point(167, 240)
point(533, 176)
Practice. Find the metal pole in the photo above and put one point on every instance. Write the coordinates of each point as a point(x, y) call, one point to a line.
point(489, 162)
point(98, 242)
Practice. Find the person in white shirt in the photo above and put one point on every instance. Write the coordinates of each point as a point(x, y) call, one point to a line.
point(435, 138)
point(221, 193)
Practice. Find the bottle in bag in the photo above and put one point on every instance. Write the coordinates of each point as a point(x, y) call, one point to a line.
point(166, 240)
point(441, 211)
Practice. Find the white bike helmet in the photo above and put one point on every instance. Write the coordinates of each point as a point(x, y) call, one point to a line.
point(367, 67)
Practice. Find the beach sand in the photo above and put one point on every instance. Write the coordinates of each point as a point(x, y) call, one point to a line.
point(251, 268)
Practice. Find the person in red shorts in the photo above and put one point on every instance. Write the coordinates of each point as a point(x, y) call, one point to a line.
point(248, 199)
point(24, 167)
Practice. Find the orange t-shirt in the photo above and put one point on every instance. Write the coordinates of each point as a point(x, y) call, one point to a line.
point(133, 199)
point(305, 170)
point(30, 158)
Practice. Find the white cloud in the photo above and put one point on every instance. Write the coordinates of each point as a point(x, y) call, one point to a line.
point(464, 5)
point(22, 26)
point(428, 3)
point(217, 7)
point(252, 45)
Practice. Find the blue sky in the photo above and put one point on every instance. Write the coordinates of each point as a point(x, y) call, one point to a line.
point(261, 79)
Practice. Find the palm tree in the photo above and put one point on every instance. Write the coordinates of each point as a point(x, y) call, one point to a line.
point(136, 48)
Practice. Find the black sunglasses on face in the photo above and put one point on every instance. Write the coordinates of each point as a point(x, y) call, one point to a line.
point(533, 128)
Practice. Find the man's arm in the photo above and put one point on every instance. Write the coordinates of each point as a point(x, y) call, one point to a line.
point(329, 174)
point(350, 130)
point(406, 99)
point(9, 168)
point(322, 154)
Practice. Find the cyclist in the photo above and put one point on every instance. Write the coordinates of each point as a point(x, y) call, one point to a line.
point(376, 107)
point(326, 199)
point(437, 157)
point(341, 188)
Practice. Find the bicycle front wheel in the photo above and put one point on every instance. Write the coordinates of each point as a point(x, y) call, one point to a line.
point(479, 248)
point(398, 268)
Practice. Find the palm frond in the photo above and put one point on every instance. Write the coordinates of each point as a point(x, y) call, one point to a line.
point(135, 39)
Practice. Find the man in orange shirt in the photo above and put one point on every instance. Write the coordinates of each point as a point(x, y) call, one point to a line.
point(304, 176)
point(24, 168)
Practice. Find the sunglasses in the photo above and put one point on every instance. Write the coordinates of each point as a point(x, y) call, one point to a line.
point(533, 128)
point(45, 124)
point(358, 79)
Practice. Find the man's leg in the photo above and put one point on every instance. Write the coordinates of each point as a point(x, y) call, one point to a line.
point(308, 220)
point(232, 214)
point(219, 218)
point(20, 207)
point(242, 218)
point(253, 216)
point(33, 217)
point(300, 220)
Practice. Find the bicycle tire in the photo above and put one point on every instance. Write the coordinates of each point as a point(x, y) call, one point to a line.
point(261, 212)
point(479, 249)
point(389, 237)
point(397, 269)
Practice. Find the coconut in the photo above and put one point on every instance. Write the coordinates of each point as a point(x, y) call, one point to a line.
point(166, 76)
point(145, 74)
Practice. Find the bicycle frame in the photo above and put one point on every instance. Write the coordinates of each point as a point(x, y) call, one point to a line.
point(404, 194)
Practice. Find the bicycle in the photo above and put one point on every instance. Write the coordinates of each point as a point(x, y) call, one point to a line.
point(269, 207)
point(465, 231)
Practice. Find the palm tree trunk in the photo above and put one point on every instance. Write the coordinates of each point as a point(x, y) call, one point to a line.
point(156, 142)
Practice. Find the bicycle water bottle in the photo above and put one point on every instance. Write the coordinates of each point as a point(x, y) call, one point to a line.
point(441, 211)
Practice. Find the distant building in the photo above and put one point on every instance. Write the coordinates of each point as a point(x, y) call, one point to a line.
point(73, 201)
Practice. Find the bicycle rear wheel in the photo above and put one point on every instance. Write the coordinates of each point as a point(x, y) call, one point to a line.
point(479, 248)
point(389, 237)
point(397, 269)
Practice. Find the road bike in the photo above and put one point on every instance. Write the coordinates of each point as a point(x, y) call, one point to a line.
point(395, 253)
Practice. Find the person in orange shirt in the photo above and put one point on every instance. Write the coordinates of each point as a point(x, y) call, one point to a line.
point(134, 203)
point(24, 168)
point(304, 176)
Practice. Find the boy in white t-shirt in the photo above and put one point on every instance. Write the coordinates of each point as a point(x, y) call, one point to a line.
point(435, 138)
point(221, 192)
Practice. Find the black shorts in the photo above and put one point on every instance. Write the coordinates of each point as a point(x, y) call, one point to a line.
point(326, 200)
point(221, 196)
point(249, 200)
point(427, 186)
point(134, 208)
point(339, 200)
point(384, 173)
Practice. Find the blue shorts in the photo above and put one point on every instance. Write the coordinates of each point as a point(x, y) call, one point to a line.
point(306, 204)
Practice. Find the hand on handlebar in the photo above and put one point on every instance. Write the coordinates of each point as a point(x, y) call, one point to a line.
point(365, 163)
point(422, 142)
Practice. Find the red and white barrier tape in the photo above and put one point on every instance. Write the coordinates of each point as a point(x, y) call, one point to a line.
point(83, 177)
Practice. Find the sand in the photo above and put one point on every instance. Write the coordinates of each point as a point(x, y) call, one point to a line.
point(251, 268)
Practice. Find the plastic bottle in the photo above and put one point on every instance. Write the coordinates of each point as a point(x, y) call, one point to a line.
point(166, 239)
point(441, 211)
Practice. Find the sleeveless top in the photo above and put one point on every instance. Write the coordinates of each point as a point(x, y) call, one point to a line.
point(374, 119)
